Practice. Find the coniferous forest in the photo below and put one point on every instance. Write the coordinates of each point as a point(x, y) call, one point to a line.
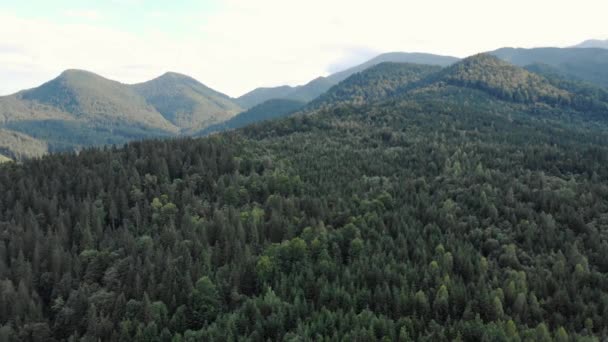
point(455, 209)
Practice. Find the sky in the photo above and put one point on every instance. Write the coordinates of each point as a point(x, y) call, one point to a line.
point(235, 46)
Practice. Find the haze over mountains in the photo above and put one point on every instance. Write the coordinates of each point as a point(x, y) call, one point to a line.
point(79, 108)
point(593, 43)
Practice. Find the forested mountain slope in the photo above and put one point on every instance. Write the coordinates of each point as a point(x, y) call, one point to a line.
point(271, 109)
point(87, 96)
point(320, 85)
point(185, 102)
point(79, 109)
point(17, 146)
point(580, 64)
point(376, 83)
point(449, 212)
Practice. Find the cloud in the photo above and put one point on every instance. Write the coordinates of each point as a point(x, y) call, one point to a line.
point(245, 44)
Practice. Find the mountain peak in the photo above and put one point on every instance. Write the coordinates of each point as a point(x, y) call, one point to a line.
point(175, 76)
point(69, 72)
point(489, 73)
point(79, 75)
point(186, 102)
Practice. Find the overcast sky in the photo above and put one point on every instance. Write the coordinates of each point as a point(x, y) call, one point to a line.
point(235, 46)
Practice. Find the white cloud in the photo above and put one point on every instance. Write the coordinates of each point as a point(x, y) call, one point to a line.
point(247, 44)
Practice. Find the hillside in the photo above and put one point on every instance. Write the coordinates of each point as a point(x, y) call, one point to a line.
point(17, 146)
point(540, 86)
point(263, 94)
point(302, 93)
point(580, 64)
point(375, 83)
point(320, 85)
point(504, 80)
point(185, 102)
point(271, 109)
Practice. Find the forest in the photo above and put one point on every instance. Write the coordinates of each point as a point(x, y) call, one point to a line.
point(446, 214)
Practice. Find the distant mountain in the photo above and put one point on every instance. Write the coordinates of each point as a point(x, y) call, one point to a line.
point(80, 108)
point(320, 85)
point(267, 110)
point(260, 95)
point(581, 64)
point(375, 83)
point(303, 93)
point(82, 95)
point(593, 43)
point(396, 57)
point(185, 102)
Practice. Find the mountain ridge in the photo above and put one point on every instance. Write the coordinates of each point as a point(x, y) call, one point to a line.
point(589, 64)
point(319, 85)
point(186, 102)
point(93, 109)
point(593, 43)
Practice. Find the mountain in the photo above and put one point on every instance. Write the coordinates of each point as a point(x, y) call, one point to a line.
point(185, 102)
point(320, 85)
point(580, 64)
point(506, 81)
point(375, 83)
point(465, 205)
point(83, 95)
point(537, 85)
point(395, 57)
point(79, 109)
point(593, 43)
point(302, 93)
point(267, 110)
point(260, 95)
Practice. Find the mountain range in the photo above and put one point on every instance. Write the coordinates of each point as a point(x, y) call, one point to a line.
point(79, 108)
point(320, 85)
point(408, 203)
